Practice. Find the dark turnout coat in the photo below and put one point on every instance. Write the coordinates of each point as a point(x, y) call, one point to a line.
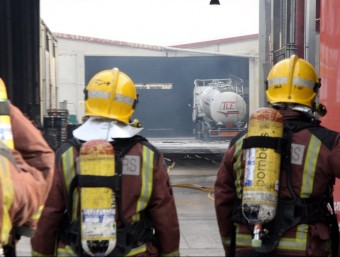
point(146, 191)
point(314, 164)
point(26, 176)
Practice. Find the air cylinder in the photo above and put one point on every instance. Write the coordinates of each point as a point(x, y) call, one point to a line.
point(262, 172)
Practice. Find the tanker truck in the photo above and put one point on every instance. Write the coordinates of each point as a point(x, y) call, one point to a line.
point(219, 108)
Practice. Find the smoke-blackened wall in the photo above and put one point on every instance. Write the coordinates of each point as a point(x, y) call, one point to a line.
point(168, 112)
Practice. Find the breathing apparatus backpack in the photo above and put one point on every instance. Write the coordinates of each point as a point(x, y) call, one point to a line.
point(268, 217)
point(99, 181)
point(6, 135)
point(6, 157)
point(262, 170)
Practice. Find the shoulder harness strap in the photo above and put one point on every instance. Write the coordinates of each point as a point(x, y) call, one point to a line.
point(296, 211)
point(277, 143)
point(129, 235)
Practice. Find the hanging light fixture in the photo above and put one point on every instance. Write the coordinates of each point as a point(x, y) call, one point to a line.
point(214, 2)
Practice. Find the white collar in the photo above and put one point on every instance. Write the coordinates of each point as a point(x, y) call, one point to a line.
point(99, 128)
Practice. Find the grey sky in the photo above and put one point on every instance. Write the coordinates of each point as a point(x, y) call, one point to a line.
point(155, 22)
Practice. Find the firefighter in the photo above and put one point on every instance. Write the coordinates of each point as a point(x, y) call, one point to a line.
point(305, 222)
point(27, 166)
point(145, 205)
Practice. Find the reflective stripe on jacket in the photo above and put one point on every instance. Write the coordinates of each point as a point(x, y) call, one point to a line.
point(314, 165)
point(26, 177)
point(7, 198)
point(146, 190)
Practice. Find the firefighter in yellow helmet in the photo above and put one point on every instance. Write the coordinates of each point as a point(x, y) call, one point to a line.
point(145, 213)
point(305, 222)
point(27, 166)
point(293, 84)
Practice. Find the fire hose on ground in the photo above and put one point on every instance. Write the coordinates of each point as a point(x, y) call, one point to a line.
point(209, 190)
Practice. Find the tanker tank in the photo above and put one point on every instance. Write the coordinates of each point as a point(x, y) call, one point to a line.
point(219, 109)
point(223, 107)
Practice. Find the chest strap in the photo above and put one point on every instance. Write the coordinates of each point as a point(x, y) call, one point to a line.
point(289, 214)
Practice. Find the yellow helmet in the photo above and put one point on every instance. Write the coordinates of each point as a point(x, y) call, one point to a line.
point(111, 94)
point(293, 80)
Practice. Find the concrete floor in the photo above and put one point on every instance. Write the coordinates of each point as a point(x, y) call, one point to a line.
point(199, 231)
point(195, 207)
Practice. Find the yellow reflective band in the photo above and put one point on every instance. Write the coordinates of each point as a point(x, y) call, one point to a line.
point(278, 81)
point(226, 241)
point(98, 94)
point(36, 254)
point(69, 170)
point(124, 99)
point(238, 166)
point(147, 182)
point(68, 166)
point(36, 215)
point(292, 244)
point(137, 250)
point(309, 167)
point(66, 251)
point(296, 82)
point(302, 231)
point(299, 243)
point(303, 82)
point(173, 254)
point(242, 239)
point(7, 199)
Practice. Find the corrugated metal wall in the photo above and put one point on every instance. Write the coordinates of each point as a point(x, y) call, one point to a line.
point(281, 37)
point(19, 53)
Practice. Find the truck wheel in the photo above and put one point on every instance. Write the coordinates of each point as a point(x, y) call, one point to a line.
point(198, 131)
point(206, 136)
point(197, 135)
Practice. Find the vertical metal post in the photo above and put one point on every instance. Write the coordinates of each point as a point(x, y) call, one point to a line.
point(310, 36)
point(264, 48)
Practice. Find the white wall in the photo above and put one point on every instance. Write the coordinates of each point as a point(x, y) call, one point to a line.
point(71, 70)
